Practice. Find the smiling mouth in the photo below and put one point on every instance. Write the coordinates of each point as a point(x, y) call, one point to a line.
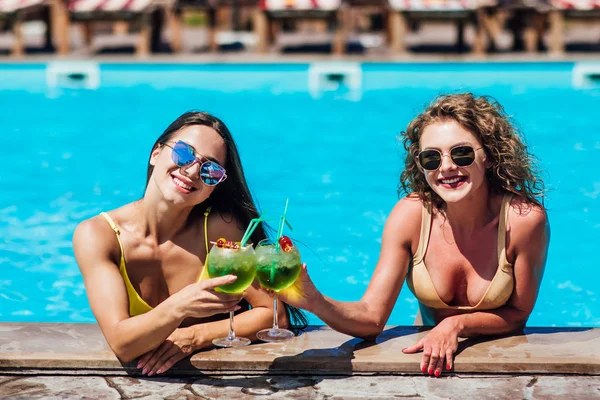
point(182, 185)
point(453, 182)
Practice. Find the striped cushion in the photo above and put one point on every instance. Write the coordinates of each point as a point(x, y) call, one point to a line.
point(275, 5)
point(108, 5)
point(576, 4)
point(434, 5)
point(7, 6)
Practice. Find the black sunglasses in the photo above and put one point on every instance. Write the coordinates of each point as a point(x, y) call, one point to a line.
point(461, 156)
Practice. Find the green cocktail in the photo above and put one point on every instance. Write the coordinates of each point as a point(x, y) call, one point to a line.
point(277, 269)
point(227, 258)
point(240, 262)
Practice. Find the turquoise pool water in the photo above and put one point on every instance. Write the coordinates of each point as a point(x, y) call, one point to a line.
point(68, 154)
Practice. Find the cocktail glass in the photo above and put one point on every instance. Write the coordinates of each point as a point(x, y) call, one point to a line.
point(277, 268)
point(241, 262)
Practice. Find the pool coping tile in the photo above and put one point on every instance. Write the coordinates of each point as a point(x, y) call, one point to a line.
point(42, 348)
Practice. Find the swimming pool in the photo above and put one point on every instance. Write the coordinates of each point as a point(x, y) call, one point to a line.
point(69, 153)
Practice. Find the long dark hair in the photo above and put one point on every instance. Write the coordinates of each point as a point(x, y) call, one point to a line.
point(232, 196)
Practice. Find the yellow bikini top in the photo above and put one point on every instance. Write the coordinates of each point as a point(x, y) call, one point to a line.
point(500, 288)
point(137, 305)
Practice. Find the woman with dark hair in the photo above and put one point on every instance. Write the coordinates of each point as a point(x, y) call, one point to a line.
point(470, 237)
point(143, 263)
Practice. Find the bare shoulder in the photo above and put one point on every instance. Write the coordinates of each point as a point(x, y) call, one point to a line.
point(526, 215)
point(93, 229)
point(404, 222)
point(94, 236)
point(527, 221)
point(224, 225)
point(408, 210)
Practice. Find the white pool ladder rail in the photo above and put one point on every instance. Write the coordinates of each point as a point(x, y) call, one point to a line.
point(586, 75)
point(73, 75)
point(324, 77)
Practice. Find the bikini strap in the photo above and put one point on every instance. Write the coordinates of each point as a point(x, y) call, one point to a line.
point(424, 235)
point(117, 231)
point(502, 226)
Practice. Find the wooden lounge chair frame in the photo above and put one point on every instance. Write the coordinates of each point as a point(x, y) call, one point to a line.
point(122, 20)
point(265, 25)
point(212, 8)
point(16, 18)
point(557, 20)
point(399, 21)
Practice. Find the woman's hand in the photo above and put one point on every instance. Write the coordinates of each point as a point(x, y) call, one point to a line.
point(301, 294)
point(176, 347)
point(439, 344)
point(200, 300)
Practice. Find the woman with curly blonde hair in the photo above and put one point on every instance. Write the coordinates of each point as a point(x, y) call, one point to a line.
point(470, 237)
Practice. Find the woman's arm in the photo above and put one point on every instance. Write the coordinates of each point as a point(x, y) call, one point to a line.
point(130, 337)
point(366, 318)
point(185, 341)
point(248, 323)
point(530, 234)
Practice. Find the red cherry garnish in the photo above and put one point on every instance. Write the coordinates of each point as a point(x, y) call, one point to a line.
point(221, 242)
point(286, 244)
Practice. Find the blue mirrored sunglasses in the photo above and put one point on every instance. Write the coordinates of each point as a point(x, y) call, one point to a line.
point(184, 156)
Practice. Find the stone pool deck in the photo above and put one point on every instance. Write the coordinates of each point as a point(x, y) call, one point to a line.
point(74, 361)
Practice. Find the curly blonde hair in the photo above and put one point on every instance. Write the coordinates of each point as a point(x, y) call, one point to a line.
point(513, 169)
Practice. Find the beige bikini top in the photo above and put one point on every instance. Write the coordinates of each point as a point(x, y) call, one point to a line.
point(497, 293)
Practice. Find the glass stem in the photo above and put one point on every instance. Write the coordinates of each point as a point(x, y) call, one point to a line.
point(275, 322)
point(231, 335)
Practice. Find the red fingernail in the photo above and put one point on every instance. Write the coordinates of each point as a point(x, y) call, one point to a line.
point(448, 367)
point(430, 371)
point(423, 370)
point(437, 372)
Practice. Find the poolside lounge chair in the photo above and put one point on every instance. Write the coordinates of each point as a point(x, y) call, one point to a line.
point(461, 11)
point(367, 17)
point(138, 12)
point(278, 10)
point(213, 10)
point(15, 12)
point(176, 23)
point(524, 19)
point(561, 10)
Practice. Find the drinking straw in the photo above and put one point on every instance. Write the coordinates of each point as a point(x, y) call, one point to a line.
point(254, 222)
point(272, 271)
point(282, 221)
